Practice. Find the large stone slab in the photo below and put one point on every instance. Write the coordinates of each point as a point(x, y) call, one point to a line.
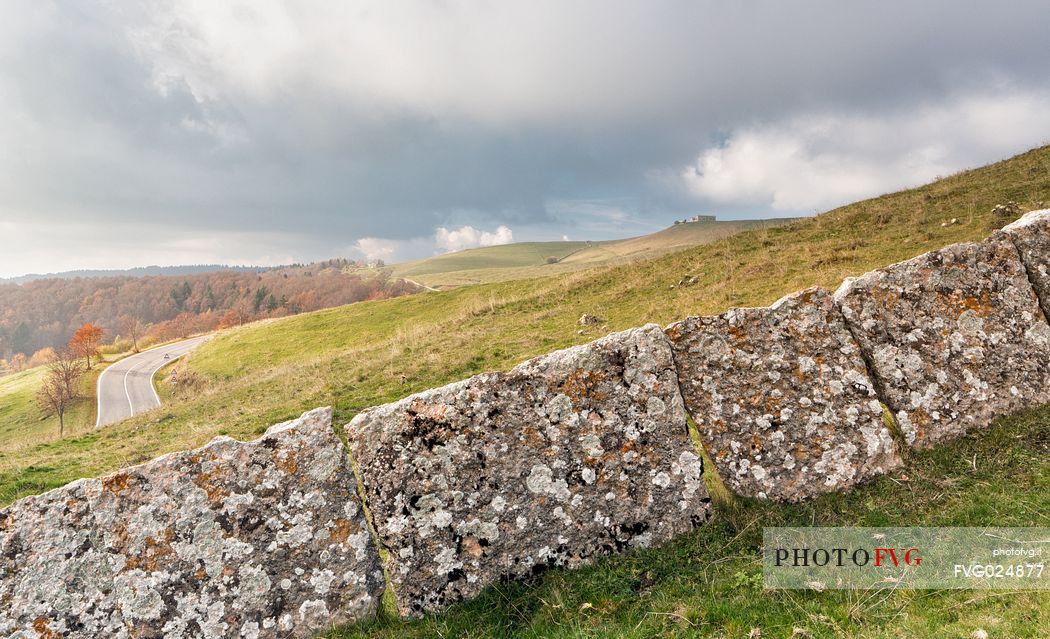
point(258, 539)
point(578, 453)
point(1031, 235)
point(782, 398)
point(955, 338)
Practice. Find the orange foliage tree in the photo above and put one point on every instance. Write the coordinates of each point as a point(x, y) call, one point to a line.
point(85, 342)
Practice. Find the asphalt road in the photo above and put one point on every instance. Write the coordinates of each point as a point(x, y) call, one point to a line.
point(125, 389)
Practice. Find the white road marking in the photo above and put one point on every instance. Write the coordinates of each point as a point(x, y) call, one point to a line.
point(98, 396)
point(137, 366)
point(131, 405)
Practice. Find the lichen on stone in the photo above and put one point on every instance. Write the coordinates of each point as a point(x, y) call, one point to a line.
point(227, 540)
point(956, 337)
point(575, 454)
point(1031, 235)
point(782, 398)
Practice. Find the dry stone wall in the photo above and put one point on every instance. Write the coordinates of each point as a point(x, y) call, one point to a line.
point(782, 398)
point(578, 453)
point(568, 456)
point(258, 539)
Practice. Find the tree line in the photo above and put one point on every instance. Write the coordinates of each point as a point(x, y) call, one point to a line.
point(38, 318)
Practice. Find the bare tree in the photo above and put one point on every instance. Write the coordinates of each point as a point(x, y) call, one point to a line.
point(60, 386)
point(131, 328)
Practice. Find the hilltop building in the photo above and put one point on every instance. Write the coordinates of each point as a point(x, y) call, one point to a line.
point(696, 218)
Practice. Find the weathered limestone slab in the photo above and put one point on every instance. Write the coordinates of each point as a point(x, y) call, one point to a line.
point(1031, 235)
point(258, 539)
point(578, 453)
point(782, 398)
point(955, 338)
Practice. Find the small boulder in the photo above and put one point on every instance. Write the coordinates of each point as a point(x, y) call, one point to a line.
point(590, 320)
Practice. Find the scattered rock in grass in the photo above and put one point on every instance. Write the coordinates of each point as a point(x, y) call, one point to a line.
point(591, 320)
point(955, 338)
point(782, 398)
point(575, 454)
point(261, 539)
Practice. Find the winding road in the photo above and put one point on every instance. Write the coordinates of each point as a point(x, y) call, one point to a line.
point(125, 388)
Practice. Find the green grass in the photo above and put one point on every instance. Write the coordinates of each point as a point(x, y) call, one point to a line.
point(503, 256)
point(23, 423)
point(709, 583)
point(369, 353)
point(525, 260)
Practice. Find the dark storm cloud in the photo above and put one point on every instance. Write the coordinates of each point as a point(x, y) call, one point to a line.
point(261, 130)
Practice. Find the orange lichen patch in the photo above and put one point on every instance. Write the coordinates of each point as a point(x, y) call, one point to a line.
point(959, 304)
point(583, 384)
point(341, 530)
point(206, 481)
point(737, 333)
point(154, 549)
point(472, 547)
point(287, 463)
point(532, 436)
point(885, 299)
point(40, 625)
point(201, 574)
point(116, 483)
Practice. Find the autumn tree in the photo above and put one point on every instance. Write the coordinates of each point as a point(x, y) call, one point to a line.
point(131, 328)
point(85, 342)
point(60, 386)
point(18, 362)
point(43, 356)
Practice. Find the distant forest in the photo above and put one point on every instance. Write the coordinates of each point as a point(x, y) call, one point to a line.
point(44, 313)
point(139, 271)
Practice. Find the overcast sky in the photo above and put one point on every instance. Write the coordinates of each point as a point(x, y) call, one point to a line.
point(274, 131)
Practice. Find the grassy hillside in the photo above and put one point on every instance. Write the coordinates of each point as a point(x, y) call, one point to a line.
point(675, 237)
point(369, 353)
point(544, 259)
point(504, 256)
point(23, 423)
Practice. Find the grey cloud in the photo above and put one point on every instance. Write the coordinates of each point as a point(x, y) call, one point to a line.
point(386, 120)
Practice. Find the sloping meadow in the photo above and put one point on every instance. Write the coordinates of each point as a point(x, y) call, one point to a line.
point(569, 456)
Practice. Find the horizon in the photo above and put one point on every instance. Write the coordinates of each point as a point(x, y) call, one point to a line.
point(255, 134)
point(248, 266)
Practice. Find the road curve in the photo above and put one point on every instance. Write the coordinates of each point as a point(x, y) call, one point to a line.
point(125, 388)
